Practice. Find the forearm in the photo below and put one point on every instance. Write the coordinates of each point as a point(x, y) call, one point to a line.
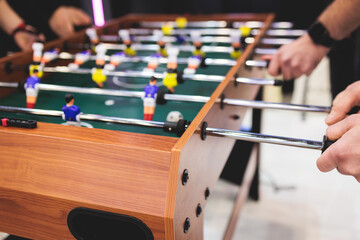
point(341, 18)
point(9, 20)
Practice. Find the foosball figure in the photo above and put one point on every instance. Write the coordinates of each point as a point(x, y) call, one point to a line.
point(71, 112)
point(245, 32)
point(193, 64)
point(167, 28)
point(50, 56)
point(37, 56)
point(170, 79)
point(150, 92)
point(94, 38)
point(98, 72)
point(125, 37)
point(115, 60)
point(161, 42)
point(235, 36)
point(80, 58)
point(32, 89)
point(196, 39)
point(153, 62)
point(181, 22)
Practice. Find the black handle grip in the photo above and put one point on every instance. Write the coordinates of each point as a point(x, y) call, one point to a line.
point(326, 144)
point(13, 122)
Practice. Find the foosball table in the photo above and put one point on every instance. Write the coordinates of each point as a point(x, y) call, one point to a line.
point(120, 176)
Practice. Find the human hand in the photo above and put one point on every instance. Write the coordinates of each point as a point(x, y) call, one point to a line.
point(344, 154)
point(343, 103)
point(25, 39)
point(297, 58)
point(64, 20)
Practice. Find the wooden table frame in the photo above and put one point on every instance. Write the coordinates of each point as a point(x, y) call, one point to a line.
point(48, 171)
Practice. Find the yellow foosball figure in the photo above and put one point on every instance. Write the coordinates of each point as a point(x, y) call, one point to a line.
point(38, 68)
point(170, 80)
point(129, 51)
point(99, 77)
point(125, 37)
point(181, 22)
point(245, 31)
point(167, 28)
point(235, 36)
point(159, 35)
point(98, 73)
point(37, 56)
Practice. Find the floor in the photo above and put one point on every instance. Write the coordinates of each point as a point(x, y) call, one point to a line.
point(298, 202)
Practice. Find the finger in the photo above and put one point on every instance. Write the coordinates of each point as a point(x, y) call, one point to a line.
point(342, 104)
point(274, 66)
point(267, 57)
point(327, 161)
point(337, 130)
point(286, 70)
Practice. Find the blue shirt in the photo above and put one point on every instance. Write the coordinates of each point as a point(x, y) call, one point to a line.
point(71, 112)
point(150, 90)
point(32, 81)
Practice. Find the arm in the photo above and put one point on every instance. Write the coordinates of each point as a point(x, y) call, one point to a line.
point(344, 154)
point(303, 55)
point(9, 19)
point(341, 18)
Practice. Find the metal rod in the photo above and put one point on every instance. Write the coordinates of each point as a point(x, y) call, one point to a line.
point(262, 138)
point(178, 97)
point(271, 41)
point(252, 137)
point(193, 77)
point(257, 63)
point(155, 47)
point(218, 24)
point(208, 61)
point(204, 39)
point(207, 24)
point(92, 117)
point(266, 51)
point(280, 32)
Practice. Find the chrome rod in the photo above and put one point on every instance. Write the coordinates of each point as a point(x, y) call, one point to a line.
point(262, 138)
point(9, 84)
point(208, 61)
point(257, 63)
point(258, 24)
point(205, 24)
point(279, 106)
point(217, 24)
point(280, 32)
point(259, 81)
point(204, 39)
point(192, 77)
point(178, 97)
point(155, 47)
point(252, 137)
point(266, 51)
point(92, 117)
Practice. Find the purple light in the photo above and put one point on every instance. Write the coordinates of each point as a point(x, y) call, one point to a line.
point(98, 12)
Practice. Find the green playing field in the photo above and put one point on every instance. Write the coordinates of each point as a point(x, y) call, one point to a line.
point(124, 107)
